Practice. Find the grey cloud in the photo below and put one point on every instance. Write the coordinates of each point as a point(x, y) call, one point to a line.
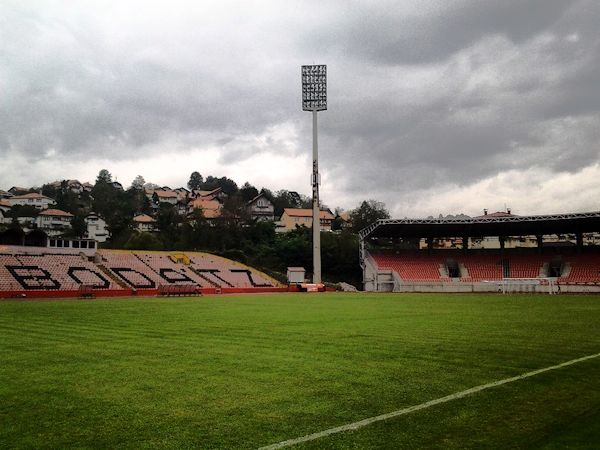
point(384, 36)
point(505, 85)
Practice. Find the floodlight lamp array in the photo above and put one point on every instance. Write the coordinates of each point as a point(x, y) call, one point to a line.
point(314, 88)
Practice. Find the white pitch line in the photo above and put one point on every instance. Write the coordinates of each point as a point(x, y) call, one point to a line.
point(400, 412)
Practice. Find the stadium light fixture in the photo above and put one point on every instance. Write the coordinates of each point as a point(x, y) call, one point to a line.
point(314, 99)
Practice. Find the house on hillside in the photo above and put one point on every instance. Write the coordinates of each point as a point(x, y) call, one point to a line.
point(144, 223)
point(16, 190)
point(34, 199)
point(344, 220)
point(73, 185)
point(211, 209)
point(4, 209)
point(166, 196)
point(292, 217)
point(96, 227)
point(54, 221)
point(5, 194)
point(176, 197)
point(260, 208)
point(215, 194)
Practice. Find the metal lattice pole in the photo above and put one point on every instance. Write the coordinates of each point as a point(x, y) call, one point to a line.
point(314, 98)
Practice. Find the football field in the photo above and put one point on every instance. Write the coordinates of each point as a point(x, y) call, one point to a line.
point(255, 370)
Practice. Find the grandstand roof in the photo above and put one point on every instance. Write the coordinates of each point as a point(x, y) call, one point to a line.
point(485, 226)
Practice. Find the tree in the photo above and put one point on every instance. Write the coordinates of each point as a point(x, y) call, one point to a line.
point(143, 241)
point(138, 183)
point(104, 176)
point(78, 226)
point(248, 192)
point(287, 199)
point(196, 181)
point(49, 190)
point(66, 200)
point(367, 213)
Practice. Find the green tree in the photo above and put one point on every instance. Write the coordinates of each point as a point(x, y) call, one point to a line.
point(66, 200)
point(143, 241)
point(168, 222)
point(368, 212)
point(104, 176)
point(49, 191)
point(114, 205)
point(248, 192)
point(78, 226)
point(138, 183)
point(228, 186)
point(196, 181)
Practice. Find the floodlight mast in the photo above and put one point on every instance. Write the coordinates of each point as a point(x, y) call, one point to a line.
point(314, 98)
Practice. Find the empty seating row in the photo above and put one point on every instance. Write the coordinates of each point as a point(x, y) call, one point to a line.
point(27, 268)
point(151, 269)
point(582, 269)
point(49, 271)
point(414, 266)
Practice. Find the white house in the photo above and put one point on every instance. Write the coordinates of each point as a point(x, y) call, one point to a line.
point(34, 199)
point(144, 222)
point(54, 221)
point(96, 227)
point(260, 208)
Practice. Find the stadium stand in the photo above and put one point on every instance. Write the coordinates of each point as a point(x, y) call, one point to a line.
point(581, 269)
point(39, 270)
point(221, 272)
point(32, 268)
point(482, 254)
point(490, 266)
point(413, 266)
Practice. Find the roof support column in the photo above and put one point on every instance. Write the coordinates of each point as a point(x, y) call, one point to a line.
point(579, 236)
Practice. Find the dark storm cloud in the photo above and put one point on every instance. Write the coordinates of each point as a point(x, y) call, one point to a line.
point(434, 30)
point(528, 98)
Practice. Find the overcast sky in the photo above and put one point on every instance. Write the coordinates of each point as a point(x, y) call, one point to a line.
point(435, 106)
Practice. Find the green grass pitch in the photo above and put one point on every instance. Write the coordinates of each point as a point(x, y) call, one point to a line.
point(249, 371)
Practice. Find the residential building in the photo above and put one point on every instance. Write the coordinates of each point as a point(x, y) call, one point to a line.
point(73, 185)
point(4, 209)
point(260, 208)
point(145, 223)
point(17, 190)
point(215, 194)
point(210, 209)
point(293, 217)
point(54, 221)
point(168, 196)
point(96, 227)
point(34, 199)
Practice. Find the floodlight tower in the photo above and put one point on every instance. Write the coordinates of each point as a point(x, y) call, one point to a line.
point(314, 98)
